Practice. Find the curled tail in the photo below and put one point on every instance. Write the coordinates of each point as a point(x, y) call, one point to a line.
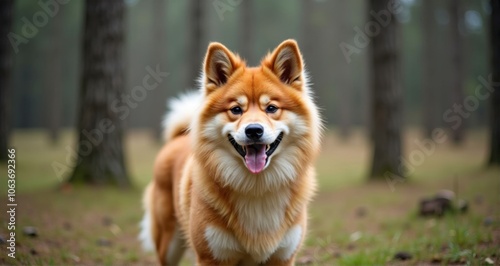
point(181, 110)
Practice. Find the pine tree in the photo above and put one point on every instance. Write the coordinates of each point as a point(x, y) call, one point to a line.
point(100, 145)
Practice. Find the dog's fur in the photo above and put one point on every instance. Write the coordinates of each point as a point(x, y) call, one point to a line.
point(234, 208)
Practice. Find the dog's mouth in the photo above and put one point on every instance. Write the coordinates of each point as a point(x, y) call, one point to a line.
point(256, 155)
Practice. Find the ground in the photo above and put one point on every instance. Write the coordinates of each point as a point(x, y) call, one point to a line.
point(352, 222)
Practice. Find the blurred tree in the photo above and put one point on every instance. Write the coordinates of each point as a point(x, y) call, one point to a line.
point(495, 93)
point(443, 97)
point(386, 93)
point(430, 69)
point(54, 78)
point(160, 47)
point(341, 26)
point(246, 36)
point(306, 31)
point(360, 69)
point(195, 43)
point(100, 126)
point(317, 60)
point(6, 7)
point(457, 64)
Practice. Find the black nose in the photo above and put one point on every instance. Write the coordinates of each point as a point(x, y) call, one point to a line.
point(254, 131)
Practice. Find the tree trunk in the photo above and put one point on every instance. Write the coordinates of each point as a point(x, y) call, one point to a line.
point(100, 145)
point(306, 32)
point(195, 44)
point(160, 44)
point(309, 34)
point(495, 94)
point(342, 75)
point(6, 7)
point(246, 37)
point(456, 65)
point(386, 97)
point(430, 69)
point(55, 79)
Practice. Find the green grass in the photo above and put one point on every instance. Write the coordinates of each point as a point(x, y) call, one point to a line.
point(71, 220)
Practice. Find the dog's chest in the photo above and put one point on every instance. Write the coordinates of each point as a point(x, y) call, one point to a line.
point(225, 246)
point(261, 214)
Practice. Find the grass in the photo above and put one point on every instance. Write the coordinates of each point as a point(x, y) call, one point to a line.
point(352, 222)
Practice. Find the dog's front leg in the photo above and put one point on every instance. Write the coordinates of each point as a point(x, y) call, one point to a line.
point(215, 246)
point(274, 261)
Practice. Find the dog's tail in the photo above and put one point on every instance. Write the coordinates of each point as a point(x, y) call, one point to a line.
point(146, 224)
point(181, 112)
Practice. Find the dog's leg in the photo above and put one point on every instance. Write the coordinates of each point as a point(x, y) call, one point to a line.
point(167, 235)
point(176, 247)
point(206, 261)
point(285, 254)
point(212, 245)
point(163, 241)
point(279, 262)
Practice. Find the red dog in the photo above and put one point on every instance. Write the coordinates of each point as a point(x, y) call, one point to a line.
point(235, 177)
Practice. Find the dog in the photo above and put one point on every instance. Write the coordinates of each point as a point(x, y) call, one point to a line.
point(235, 177)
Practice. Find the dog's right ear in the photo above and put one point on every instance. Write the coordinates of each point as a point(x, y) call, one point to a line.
point(219, 65)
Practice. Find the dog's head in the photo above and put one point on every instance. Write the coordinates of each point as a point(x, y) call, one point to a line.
point(258, 115)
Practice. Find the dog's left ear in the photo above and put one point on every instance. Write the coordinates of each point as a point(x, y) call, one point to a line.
point(286, 63)
point(220, 64)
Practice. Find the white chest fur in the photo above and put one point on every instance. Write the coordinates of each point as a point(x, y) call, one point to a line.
point(289, 243)
point(261, 214)
point(225, 246)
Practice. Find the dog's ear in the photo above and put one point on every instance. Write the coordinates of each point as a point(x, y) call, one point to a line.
point(286, 63)
point(219, 65)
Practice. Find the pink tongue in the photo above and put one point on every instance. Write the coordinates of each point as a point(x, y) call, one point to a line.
point(255, 159)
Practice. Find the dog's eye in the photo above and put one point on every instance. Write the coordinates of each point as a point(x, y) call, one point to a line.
point(271, 109)
point(236, 110)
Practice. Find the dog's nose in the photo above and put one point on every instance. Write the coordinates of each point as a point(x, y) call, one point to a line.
point(254, 131)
